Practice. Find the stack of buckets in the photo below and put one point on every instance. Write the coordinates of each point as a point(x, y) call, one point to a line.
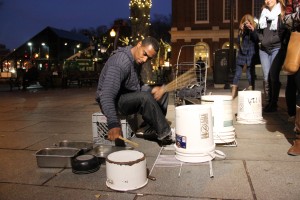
point(223, 130)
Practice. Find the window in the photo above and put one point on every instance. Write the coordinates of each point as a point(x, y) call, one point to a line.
point(201, 11)
point(226, 12)
point(257, 4)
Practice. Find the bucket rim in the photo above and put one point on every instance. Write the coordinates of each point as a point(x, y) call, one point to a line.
point(250, 91)
point(214, 97)
point(194, 106)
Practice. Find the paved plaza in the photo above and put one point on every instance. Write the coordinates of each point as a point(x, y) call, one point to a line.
point(258, 167)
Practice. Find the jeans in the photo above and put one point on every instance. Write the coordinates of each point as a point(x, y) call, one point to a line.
point(266, 59)
point(276, 66)
point(238, 74)
point(153, 112)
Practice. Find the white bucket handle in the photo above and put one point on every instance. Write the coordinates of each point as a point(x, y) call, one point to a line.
point(219, 154)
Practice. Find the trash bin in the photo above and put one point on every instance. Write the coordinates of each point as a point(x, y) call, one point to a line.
point(222, 70)
point(221, 62)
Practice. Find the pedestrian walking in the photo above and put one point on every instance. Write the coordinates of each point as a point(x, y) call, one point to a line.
point(200, 65)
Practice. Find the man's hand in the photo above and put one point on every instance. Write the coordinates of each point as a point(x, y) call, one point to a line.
point(114, 133)
point(158, 92)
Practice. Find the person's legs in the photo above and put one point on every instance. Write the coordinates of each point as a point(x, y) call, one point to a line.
point(265, 60)
point(295, 149)
point(249, 77)
point(297, 83)
point(274, 80)
point(297, 119)
point(236, 79)
point(238, 74)
point(144, 104)
point(290, 95)
point(253, 76)
point(163, 102)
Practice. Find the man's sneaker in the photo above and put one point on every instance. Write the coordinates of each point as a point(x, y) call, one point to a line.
point(169, 139)
point(146, 132)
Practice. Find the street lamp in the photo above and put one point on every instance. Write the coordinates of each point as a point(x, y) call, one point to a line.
point(115, 34)
point(112, 33)
point(76, 46)
point(30, 47)
point(46, 46)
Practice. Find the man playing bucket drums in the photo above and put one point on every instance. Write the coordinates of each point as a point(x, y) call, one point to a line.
point(120, 92)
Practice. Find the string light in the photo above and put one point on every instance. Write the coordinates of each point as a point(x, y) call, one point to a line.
point(140, 18)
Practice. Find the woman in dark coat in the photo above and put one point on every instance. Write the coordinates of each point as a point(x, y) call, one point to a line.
point(247, 40)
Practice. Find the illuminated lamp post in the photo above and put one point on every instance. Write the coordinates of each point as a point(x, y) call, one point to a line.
point(112, 33)
point(30, 47)
point(47, 47)
point(115, 34)
point(77, 46)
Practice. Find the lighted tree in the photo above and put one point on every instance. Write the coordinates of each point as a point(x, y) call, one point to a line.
point(140, 18)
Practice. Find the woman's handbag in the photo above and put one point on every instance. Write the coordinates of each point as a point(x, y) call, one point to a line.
point(292, 60)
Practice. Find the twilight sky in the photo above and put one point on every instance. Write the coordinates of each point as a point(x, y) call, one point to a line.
point(22, 19)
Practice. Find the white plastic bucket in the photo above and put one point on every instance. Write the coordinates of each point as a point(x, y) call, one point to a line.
point(194, 137)
point(223, 129)
point(126, 170)
point(249, 107)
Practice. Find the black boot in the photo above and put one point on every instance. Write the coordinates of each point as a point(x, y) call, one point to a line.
point(253, 77)
point(266, 93)
point(274, 94)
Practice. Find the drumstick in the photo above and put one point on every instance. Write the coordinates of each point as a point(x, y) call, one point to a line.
point(129, 141)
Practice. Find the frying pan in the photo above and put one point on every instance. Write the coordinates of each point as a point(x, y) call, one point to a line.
point(85, 164)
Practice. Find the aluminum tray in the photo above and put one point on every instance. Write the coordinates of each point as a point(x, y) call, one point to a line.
point(85, 146)
point(56, 157)
point(102, 151)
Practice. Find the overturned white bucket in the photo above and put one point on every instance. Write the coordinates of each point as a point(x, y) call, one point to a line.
point(250, 107)
point(194, 137)
point(126, 170)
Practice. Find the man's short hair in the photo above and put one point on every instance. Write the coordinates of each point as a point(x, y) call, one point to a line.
point(151, 41)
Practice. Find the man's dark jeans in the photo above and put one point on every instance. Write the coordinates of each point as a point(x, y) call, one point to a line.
point(153, 112)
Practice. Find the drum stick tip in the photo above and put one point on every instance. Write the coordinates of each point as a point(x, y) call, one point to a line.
point(129, 141)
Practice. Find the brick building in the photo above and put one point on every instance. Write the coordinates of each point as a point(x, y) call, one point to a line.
point(204, 26)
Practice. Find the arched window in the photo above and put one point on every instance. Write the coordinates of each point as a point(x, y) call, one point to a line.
point(201, 49)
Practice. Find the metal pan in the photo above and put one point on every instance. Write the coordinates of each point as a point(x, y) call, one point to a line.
point(102, 151)
point(85, 146)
